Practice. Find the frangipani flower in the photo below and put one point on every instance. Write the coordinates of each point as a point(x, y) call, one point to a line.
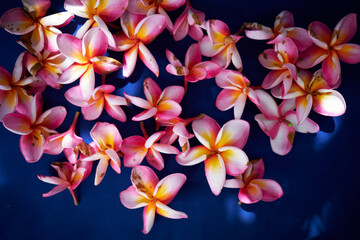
point(281, 62)
point(88, 57)
point(161, 104)
point(194, 69)
point(283, 27)
point(252, 187)
point(280, 123)
point(48, 66)
point(70, 176)
point(220, 45)
point(147, 191)
point(106, 145)
point(190, 22)
point(329, 47)
point(34, 127)
point(138, 31)
point(150, 7)
point(57, 143)
point(136, 148)
point(236, 89)
point(38, 31)
point(221, 150)
point(98, 12)
point(313, 92)
point(100, 99)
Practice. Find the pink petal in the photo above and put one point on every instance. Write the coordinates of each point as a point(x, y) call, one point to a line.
point(307, 126)
point(169, 24)
point(168, 187)
point(206, 130)
point(270, 127)
point(145, 114)
point(94, 43)
point(110, 10)
point(51, 180)
point(155, 159)
point(17, 123)
point(236, 59)
point(212, 68)
point(37, 7)
point(144, 180)
point(52, 118)
point(329, 103)
point(57, 189)
point(57, 19)
point(284, 19)
point(93, 110)
point(53, 144)
point(8, 102)
point(131, 199)
point(196, 155)
point(31, 146)
point(129, 62)
point(87, 83)
point(129, 21)
point(73, 95)
point(258, 168)
point(233, 183)
point(148, 59)
point(72, 73)
point(115, 112)
point(311, 57)
point(102, 25)
point(181, 26)
point(35, 39)
point(282, 143)
point(207, 48)
point(215, 173)
point(269, 60)
point(195, 32)
point(320, 34)
point(233, 133)
point(152, 91)
point(193, 56)
point(268, 105)
point(135, 159)
point(153, 138)
point(274, 78)
point(250, 194)
point(239, 106)
point(288, 50)
point(270, 189)
point(71, 47)
point(217, 30)
point(138, 101)
point(166, 211)
point(175, 93)
point(165, 148)
point(177, 70)
point(224, 57)
point(17, 21)
point(168, 110)
point(235, 160)
point(345, 30)
point(331, 69)
point(101, 169)
point(105, 65)
point(226, 99)
point(262, 34)
point(196, 74)
point(150, 27)
point(349, 53)
point(286, 106)
point(303, 107)
point(76, 7)
point(138, 7)
point(148, 218)
point(106, 136)
point(122, 42)
point(300, 37)
point(114, 160)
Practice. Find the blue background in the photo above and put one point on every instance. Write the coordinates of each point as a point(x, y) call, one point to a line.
point(319, 176)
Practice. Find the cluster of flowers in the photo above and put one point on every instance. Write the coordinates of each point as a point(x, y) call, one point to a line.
point(53, 58)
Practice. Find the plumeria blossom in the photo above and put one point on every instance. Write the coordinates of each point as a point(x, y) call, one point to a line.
point(105, 147)
point(88, 57)
point(101, 98)
point(57, 143)
point(98, 13)
point(220, 45)
point(283, 28)
point(136, 148)
point(147, 191)
point(221, 150)
point(236, 89)
point(138, 31)
point(281, 61)
point(34, 127)
point(330, 47)
point(313, 92)
point(252, 187)
point(38, 31)
point(190, 22)
point(48, 66)
point(70, 176)
point(160, 104)
point(150, 7)
point(280, 123)
point(194, 70)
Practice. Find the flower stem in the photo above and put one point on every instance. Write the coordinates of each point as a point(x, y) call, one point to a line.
point(76, 117)
point(103, 79)
point(142, 126)
point(76, 202)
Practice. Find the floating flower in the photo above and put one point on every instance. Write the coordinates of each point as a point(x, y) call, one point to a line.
point(88, 57)
point(221, 150)
point(313, 92)
point(329, 47)
point(34, 127)
point(70, 176)
point(136, 148)
point(161, 104)
point(280, 123)
point(106, 145)
point(101, 98)
point(220, 45)
point(252, 187)
point(98, 14)
point(190, 22)
point(194, 69)
point(138, 31)
point(281, 61)
point(236, 89)
point(38, 31)
point(147, 191)
point(283, 28)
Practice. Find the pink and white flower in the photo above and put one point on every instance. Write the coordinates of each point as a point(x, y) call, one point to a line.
point(154, 195)
point(162, 105)
point(252, 187)
point(330, 47)
point(221, 150)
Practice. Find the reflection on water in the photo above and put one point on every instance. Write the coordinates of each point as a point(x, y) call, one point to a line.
point(236, 213)
point(317, 223)
point(323, 138)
